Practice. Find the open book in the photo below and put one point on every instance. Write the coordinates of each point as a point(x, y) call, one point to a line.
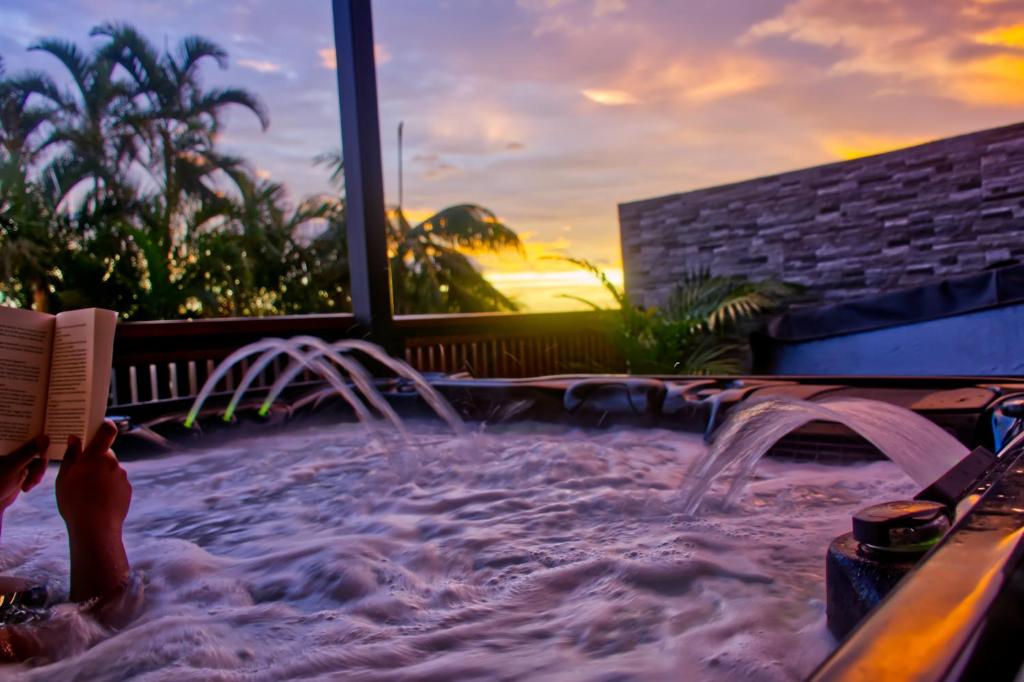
point(54, 375)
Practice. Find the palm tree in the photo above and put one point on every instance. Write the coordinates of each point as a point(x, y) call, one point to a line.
point(178, 122)
point(429, 272)
point(707, 319)
point(113, 192)
point(26, 245)
point(22, 118)
point(93, 131)
point(142, 129)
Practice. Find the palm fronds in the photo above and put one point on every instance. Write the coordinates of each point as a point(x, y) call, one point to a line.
point(430, 274)
point(701, 329)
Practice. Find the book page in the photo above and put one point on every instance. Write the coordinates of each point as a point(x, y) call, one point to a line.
point(25, 341)
point(83, 342)
point(102, 357)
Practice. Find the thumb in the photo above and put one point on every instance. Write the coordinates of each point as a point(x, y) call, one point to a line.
point(102, 441)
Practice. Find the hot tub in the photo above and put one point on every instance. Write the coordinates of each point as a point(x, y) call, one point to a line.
point(546, 542)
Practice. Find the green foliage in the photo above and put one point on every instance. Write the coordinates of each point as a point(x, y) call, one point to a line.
point(702, 329)
point(114, 193)
point(111, 189)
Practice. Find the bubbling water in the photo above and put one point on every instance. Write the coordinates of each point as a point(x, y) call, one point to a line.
point(533, 553)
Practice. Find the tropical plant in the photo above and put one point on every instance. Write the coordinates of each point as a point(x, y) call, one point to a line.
point(260, 263)
point(114, 192)
point(93, 142)
point(25, 218)
point(176, 121)
point(430, 271)
point(130, 187)
point(702, 328)
point(23, 120)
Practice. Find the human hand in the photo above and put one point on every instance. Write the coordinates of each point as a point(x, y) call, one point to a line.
point(93, 492)
point(22, 470)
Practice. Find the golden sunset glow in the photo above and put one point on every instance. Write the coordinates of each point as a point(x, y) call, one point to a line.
point(544, 291)
point(1004, 36)
point(997, 80)
point(540, 280)
point(856, 145)
point(415, 215)
point(886, 78)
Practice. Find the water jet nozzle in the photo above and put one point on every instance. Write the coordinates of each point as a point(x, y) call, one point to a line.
point(906, 526)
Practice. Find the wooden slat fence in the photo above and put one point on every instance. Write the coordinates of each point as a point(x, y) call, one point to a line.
point(157, 362)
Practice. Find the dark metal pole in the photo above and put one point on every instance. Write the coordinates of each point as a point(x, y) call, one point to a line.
point(364, 177)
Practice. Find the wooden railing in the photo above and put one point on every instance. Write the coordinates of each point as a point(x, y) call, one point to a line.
point(506, 345)
point(170, 360)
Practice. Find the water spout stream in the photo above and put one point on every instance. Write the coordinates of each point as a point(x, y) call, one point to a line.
point(919, 447)
point(272, 348)
point(399, 367)
point(316, 358)
point(404, 370)
point(358, 374)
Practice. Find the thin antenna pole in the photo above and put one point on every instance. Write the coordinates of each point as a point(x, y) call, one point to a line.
point(401, 124)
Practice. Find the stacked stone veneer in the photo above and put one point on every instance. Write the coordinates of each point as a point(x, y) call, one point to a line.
point(844, 230)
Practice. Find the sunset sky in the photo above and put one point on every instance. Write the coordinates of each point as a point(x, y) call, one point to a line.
point(551, 112)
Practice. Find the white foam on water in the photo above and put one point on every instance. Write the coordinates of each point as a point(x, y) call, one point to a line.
point(536, 553)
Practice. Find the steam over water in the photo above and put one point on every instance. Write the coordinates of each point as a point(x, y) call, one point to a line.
point(536, 554)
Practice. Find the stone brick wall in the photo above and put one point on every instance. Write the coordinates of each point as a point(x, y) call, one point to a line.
point(844, 230)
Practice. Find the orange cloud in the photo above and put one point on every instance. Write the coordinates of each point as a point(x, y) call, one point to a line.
point(653, 78)
point(328, 57)
point(893, 43)
point(731, 76)
point(611, 98)
point(995, 80)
